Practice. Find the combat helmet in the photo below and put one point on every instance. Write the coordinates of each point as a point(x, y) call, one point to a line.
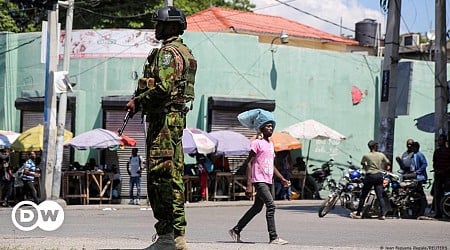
point(170, 14)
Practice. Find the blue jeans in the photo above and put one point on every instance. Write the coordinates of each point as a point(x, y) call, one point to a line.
point(263, 197)
point(135, 181)
point(375, 181)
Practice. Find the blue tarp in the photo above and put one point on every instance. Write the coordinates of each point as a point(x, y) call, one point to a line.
point(255, 118)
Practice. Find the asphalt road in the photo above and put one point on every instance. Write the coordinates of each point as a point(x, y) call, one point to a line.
point(131, 227)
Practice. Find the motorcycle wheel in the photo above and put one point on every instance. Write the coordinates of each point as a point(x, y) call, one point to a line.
point(415, 206)
point(370, 207)
point(328, 204)
point(445, 206)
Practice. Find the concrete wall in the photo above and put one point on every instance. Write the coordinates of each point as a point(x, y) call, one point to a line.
point(306, 84)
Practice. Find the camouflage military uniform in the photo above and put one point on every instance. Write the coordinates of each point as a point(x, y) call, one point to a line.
point(167, 86)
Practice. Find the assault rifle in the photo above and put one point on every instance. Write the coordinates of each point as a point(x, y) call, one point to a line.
point(129, 115)
point(124, 124)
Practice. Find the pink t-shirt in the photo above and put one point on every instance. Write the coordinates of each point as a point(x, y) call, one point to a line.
point(262, 168)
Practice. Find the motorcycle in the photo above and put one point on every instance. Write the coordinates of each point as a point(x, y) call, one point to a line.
point(403, 198)
point(322, 176)
point(445, 205)
point(347, 191)
point(445, 202)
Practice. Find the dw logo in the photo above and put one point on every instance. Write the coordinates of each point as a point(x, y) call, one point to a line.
point(48, 215)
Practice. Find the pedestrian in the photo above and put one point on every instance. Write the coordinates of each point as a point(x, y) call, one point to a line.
point(260, 171)
point(406, 161)
point(420, 163)
point(164, 94)
point(6, 177)
point(373, 163)
point(28, 177)
point(134, 172)
point(283, 164)
point(441, 166)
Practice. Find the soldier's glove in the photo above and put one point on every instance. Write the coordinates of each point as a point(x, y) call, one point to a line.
point(132, 106)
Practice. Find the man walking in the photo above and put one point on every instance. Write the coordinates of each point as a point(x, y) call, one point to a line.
point(134, 172)
point(260, 173)
point(164, 93)
point(28, 177)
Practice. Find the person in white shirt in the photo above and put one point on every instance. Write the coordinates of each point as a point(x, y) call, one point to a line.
point(134, 169)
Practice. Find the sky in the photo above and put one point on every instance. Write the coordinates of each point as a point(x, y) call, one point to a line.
point(416, 15)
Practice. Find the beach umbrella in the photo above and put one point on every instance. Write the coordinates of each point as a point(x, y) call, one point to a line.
point(125, 140)
point(283, 141)
point(198, 141)
point(231, 143)
point(33, 139)
point(97, 139)
point(312, 130)
point(7, 138)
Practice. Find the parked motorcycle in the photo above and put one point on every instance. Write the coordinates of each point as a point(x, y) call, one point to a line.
point(347, 191)
point(445, 202)
point(403, 198)
point(445, 205)
point(322, 176)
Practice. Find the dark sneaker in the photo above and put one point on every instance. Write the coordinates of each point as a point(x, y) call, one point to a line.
point(381, 217)
point(235, 236)
point(278, 241)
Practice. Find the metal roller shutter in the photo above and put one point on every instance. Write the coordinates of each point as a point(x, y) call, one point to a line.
point(135, 129)
point(227, 120)
point(223, 112)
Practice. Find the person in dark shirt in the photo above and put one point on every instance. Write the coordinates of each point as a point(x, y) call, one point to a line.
point(441, 166)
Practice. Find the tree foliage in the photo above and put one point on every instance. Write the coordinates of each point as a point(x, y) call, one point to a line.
point(17, 16)
point(27, 15)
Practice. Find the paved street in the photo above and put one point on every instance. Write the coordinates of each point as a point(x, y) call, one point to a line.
point(131, 227)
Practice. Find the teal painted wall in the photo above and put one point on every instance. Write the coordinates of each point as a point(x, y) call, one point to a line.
point(306, 84)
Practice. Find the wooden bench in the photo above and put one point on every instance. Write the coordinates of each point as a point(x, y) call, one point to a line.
point(226, 177)
point(75, 179)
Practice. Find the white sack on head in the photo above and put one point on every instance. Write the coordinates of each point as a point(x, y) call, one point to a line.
point(255, 118)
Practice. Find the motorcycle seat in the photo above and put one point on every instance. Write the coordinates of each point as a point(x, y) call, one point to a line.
point(408, 183)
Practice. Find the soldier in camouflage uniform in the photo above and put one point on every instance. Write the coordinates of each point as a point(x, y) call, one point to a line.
point(164, 94)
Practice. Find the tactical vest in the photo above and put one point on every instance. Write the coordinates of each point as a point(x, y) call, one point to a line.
point(183, 90)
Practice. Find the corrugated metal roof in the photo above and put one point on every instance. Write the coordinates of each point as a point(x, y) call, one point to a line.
point(218, 19)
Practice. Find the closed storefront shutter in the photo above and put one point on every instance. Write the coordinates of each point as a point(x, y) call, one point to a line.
point(222, 115)
point(227, 120)
point(135, 129)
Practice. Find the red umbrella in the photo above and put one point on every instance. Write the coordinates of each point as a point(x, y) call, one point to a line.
point(127, 141)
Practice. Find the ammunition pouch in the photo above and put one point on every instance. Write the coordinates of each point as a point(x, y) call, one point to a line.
point(144, 83)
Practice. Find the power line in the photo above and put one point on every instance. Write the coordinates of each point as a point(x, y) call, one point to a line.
point(111, 16)
point(20, 45)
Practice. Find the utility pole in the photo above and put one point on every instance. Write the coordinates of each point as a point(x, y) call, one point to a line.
point(48, 154)
point(62, 106)
point(389, 80)
point(440, 70)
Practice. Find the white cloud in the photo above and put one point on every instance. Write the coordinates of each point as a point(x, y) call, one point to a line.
point(349, 11)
